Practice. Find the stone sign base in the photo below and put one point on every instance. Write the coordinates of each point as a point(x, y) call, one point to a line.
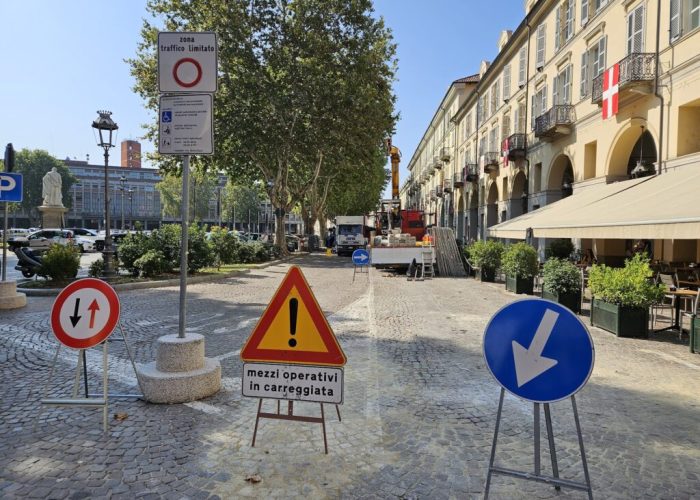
point(52, 217)
point(180, 373)
point(9, 298)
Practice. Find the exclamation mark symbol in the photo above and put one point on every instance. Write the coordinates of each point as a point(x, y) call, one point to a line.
point(293, 306)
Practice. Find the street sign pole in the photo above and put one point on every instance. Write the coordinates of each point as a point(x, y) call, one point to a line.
point(183, 244)
point(555, 365)
point(4, 244)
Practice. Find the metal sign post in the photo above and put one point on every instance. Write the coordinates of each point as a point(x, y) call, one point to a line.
point(541, 352)
point(361, 262)
point(185, 212)
point(84, 314)
point(10, 190)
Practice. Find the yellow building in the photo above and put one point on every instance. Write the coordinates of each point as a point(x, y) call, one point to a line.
point(585, 126)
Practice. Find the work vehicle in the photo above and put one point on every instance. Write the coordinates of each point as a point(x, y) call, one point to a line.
point(399, 231)
point(349, 234)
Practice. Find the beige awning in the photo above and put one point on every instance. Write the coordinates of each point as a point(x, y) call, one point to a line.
point(665, 206)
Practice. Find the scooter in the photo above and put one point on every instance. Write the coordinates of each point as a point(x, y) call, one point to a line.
point(28, 261)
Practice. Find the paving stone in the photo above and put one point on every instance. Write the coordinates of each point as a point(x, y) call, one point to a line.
point(418, 414)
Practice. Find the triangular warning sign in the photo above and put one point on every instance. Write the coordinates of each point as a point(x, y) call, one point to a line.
point(293, 329)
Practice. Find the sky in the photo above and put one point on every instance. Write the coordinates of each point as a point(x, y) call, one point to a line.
point(64, 60)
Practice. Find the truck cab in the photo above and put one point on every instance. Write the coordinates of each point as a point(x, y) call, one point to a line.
point(349, 234)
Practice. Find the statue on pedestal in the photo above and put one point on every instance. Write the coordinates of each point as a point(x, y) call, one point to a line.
point(51, 191)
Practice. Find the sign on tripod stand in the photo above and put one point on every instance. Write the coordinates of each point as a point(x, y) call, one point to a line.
point(541, 352)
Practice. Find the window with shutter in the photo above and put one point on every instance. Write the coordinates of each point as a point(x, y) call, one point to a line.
point(506, 125)
point(495, 96)
point(565, 83)
point(675, 28)
point(521, 67)
point(533, 111)
point(694, 14)
point(506, 83)
point(540, 45)
point(635, 31)
point(584, 12)
point(569, 22)
point(555, 91)
point(583, 84)
point(557, 28)
point(543, 107)
point(516, 120)
point(522, 116)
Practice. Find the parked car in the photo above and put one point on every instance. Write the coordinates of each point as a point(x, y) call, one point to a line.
point(86, 239)
point(14, 232)
point(293, 242)
point(44, 238)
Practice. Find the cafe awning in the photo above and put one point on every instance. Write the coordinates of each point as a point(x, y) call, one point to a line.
point(665, 206)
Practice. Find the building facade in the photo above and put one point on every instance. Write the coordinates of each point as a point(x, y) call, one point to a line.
point(586, 99)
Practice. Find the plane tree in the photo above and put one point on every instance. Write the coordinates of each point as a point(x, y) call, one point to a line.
point(304, 88)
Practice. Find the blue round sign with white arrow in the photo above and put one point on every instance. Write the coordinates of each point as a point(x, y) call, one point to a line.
point(360, 257)
point(538, 350)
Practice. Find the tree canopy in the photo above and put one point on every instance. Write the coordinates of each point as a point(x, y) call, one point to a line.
point(304, 99)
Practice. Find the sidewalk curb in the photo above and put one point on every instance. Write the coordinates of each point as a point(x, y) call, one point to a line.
point(50, 292)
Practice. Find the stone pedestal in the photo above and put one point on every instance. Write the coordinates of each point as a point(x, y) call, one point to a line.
point(180, 373)
point(9, 298)
point(52, 217)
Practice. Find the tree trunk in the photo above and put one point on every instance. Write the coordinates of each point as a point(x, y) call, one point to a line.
point(324, 229)
point(280, 233)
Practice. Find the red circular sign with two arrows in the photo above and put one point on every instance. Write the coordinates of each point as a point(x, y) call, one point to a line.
point(85, 313)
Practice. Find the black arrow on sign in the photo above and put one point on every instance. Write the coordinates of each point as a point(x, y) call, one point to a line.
point(75, 318)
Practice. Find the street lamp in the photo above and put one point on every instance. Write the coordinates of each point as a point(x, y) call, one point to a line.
point(106, 128)
point(130, 192)
point(122, 187)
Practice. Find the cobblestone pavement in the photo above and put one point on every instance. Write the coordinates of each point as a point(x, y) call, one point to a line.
point(417, 421)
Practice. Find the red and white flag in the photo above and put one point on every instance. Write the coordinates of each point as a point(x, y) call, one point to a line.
point(611, 91)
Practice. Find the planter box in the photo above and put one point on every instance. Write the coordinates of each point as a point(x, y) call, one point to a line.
point(486, 274)
point(695, 335)
point(572, 300)
point(622, 321)
point(520, 285)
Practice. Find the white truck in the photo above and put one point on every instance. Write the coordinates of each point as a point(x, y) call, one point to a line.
point(350, 233)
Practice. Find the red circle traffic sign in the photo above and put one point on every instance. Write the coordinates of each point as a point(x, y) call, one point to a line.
point(197, 66)
point(85, 313)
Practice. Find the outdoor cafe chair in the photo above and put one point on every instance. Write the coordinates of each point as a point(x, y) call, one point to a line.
point(690, 314)
point(668, 301)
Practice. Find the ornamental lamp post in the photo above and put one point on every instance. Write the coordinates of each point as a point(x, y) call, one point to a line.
point(106, 129)
point(130, 192)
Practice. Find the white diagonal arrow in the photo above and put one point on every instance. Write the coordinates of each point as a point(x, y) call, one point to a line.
point(529, 363)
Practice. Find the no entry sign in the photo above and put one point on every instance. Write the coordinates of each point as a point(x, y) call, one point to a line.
point(85, 313)
point(187, 62)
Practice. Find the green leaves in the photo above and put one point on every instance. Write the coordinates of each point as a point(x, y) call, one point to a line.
point(304, 96)
point(630, 286)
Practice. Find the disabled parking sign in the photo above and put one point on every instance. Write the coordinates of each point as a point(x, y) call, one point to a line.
point(538, 350)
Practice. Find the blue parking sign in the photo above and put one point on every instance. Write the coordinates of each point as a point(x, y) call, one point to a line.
point(538, 350)
point(166, 116)
point(10, 187)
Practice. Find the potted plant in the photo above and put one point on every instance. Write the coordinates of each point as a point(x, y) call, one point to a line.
point(695, 335)
point(486, 257)
point(521, 266)
point(622, 296)
point(562, 283)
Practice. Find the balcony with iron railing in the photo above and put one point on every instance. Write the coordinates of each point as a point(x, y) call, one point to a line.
point(433, 195)
point(438, 191)
point(458, 179)
point(437, 164)
point(431, 168)
point(489, 161)
point(555, 123)
point(445, 154)
point(471, 172)
point(447, 185)
point(637, 73)
point(514, 147)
